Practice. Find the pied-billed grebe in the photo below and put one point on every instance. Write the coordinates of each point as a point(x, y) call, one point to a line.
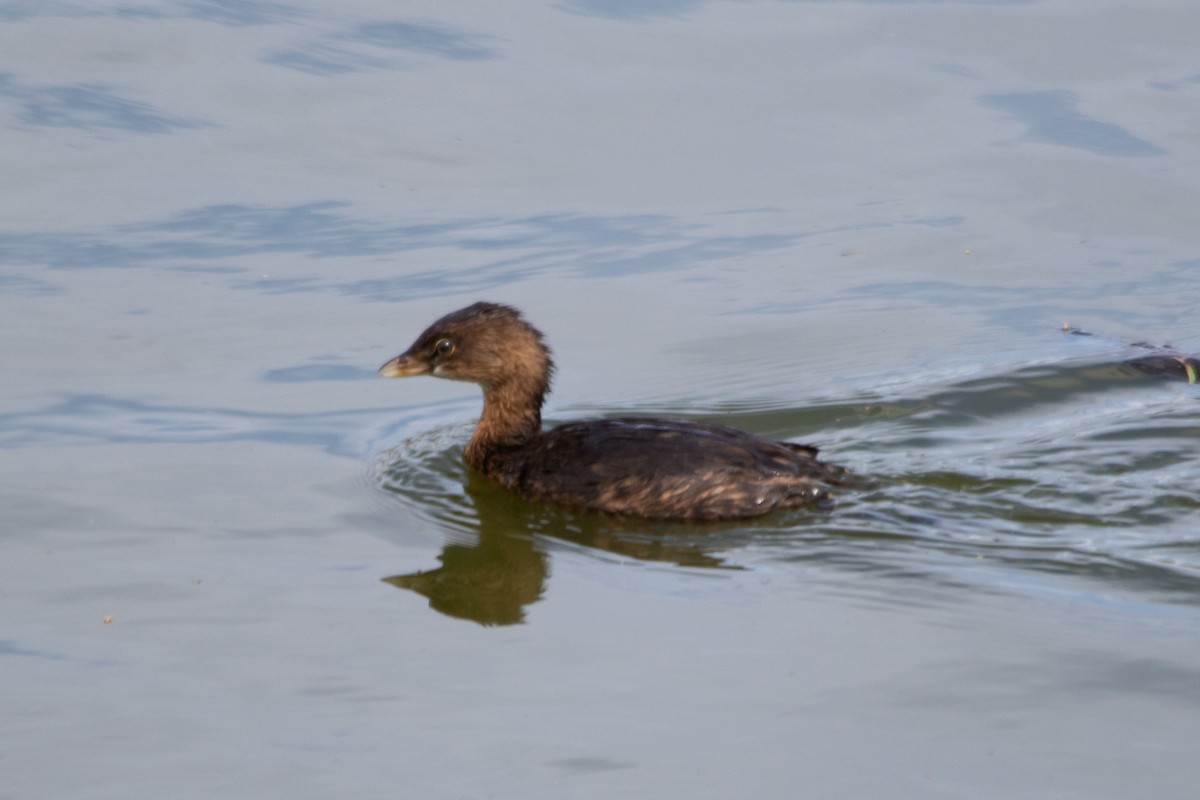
point(652, 468)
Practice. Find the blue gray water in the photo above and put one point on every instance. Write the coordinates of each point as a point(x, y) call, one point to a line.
point(236, 563)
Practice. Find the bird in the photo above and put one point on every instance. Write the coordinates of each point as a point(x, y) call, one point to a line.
point(640, 467)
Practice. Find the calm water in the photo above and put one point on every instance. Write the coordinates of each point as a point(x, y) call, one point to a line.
point(235, 563)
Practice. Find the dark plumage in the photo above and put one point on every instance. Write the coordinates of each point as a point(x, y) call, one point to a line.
point(652, 468)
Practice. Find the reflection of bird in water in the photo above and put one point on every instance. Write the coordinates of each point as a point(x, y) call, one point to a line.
point(492, 581)
point(651, 468)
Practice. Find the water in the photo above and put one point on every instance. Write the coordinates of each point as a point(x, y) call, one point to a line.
point(236, 563)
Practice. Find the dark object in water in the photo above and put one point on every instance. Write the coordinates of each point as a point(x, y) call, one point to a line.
point(1164, 362)
point(1166, 366)
point(650, 468)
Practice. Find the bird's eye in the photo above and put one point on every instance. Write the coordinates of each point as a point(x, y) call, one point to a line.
point(444, 347)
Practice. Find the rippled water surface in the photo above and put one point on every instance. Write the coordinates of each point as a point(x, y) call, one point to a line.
point(236, 563)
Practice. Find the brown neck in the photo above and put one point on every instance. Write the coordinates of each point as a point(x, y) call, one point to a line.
point(512, 415)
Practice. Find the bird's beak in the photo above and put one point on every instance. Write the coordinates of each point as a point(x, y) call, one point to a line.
point(403, 366)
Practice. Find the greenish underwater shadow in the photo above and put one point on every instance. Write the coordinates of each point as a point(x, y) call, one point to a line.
point(493, 579)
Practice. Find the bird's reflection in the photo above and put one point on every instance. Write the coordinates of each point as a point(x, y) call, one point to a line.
point(493, 580)
point(490, 582)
